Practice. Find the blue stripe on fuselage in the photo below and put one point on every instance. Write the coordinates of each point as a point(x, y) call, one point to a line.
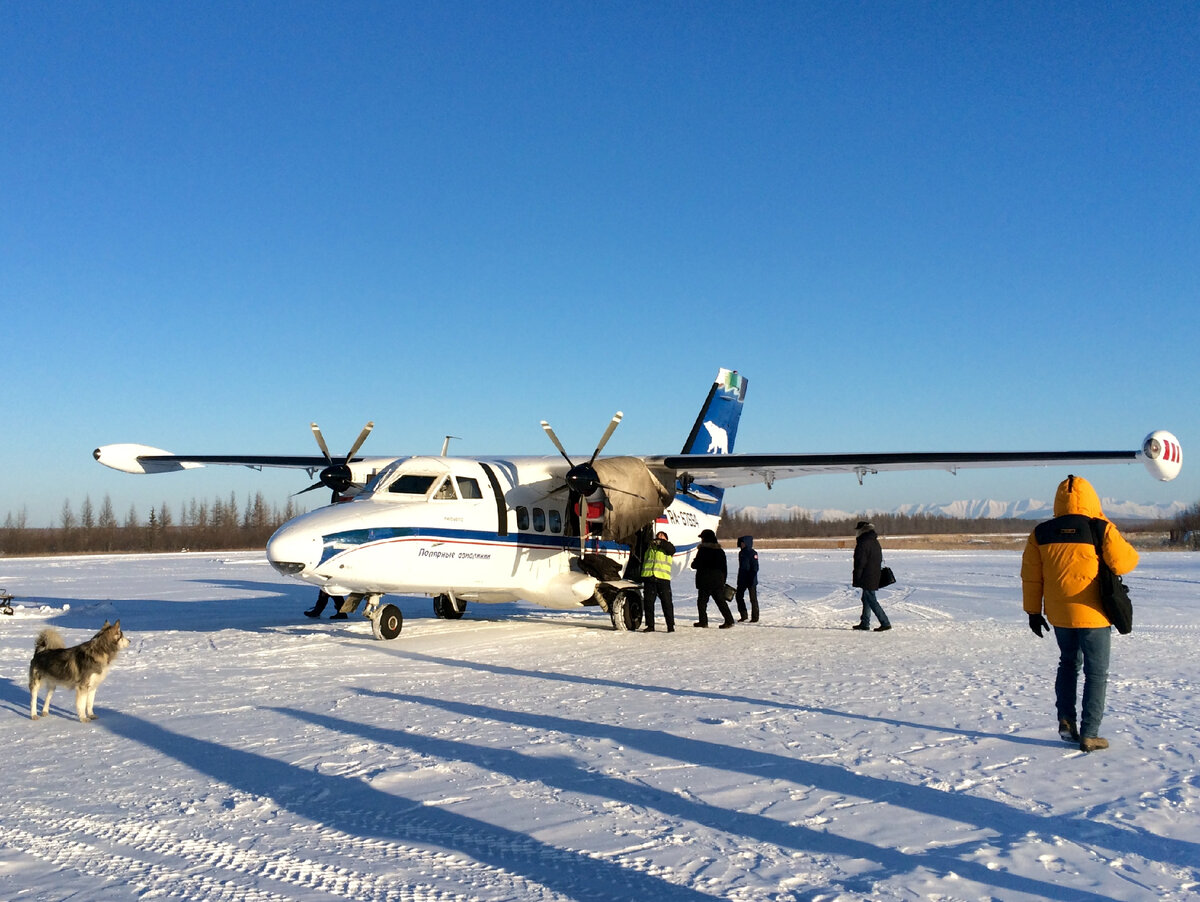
point(352, 539)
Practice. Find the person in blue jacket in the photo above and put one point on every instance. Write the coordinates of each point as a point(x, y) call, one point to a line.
point(747, 578)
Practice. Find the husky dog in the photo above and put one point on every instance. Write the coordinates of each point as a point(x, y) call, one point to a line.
point(82, 667)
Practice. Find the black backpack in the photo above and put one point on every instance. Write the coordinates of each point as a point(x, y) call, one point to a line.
point(1114, 594)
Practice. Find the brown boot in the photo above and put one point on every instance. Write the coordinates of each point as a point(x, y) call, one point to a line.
point(1092, 744)
point(1067, 731)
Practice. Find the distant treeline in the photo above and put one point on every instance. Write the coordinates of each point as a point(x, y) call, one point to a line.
point(1187, 527)
point(222, 524)
point(736, 523)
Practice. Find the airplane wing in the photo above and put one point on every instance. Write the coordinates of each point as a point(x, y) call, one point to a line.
point(337, 474)
point(1160, 457)
point(144, 459)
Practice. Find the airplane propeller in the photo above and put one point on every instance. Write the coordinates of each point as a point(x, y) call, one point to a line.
point(337, 477)
point(583, 478)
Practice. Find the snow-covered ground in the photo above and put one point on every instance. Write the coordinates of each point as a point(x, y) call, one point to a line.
point(245, 752)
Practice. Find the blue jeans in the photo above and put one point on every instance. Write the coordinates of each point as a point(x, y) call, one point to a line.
point(871, 603)
point(1089, 649)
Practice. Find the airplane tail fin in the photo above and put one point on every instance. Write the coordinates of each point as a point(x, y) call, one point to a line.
point(714, 432)
point(716, 427)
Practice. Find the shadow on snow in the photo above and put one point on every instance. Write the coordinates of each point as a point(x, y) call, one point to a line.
point(350, 805)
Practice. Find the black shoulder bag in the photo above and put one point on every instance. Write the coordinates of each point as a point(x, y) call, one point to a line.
point(1114, 594)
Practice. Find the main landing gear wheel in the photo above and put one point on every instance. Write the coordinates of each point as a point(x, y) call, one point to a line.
point(387, 622)
point(626, 612)
point(448, 608)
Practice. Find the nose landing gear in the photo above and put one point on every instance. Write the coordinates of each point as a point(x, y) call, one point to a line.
point(386, 620)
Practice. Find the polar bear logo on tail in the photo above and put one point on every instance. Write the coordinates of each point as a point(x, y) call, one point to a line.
point(718, 438)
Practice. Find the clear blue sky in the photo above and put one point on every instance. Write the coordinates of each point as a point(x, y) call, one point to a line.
point(912, 226)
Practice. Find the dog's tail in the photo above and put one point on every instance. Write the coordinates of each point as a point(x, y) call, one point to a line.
point(47, 639)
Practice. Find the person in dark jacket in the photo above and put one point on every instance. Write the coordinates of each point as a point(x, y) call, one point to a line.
point(747, 578)
point(868, 561)
point(711, 571)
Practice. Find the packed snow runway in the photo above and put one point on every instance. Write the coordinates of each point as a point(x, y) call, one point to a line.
point(244, 752)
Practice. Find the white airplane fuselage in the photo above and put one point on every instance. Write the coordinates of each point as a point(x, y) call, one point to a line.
point(488, 530)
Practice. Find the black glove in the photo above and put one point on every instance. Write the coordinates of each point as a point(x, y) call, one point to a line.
point(1037, 623)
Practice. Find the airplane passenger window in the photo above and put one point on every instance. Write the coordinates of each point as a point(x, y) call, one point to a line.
point(445, 492)
point(539, 520)
point(412, 484)
point(555, 520)
point(469, 488)
point(522, 518)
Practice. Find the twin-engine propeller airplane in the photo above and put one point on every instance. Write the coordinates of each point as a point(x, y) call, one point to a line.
point(559, 533)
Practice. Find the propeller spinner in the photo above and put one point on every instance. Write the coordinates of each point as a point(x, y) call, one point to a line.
point(337, 477)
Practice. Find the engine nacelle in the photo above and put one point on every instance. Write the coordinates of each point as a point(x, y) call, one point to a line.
point(1162, 454)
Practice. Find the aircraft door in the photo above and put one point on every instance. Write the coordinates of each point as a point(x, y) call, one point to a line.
point(498, 493)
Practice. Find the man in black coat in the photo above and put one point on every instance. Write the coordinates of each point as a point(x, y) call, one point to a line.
point(868, 561)
point(711, 571)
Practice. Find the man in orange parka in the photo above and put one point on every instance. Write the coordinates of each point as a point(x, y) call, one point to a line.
point(1059, 570)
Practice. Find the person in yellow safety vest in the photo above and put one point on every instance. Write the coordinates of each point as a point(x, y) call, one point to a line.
point(656, 581)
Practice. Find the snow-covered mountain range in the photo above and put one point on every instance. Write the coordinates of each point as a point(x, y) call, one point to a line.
point(1028, 509)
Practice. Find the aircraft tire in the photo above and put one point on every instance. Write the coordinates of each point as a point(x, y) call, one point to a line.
point(446, 608)
point(387, 622)
point(626, 612)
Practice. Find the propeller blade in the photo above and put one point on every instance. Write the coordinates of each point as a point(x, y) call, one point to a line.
point(316, 430)
point(362, 437)
point(613, 488)
point(337, 477)
point(557, 443)
point(583, 526)
point(612, 426)
point(315, 485)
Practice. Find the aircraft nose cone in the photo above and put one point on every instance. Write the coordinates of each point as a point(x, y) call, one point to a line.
point(291, 551)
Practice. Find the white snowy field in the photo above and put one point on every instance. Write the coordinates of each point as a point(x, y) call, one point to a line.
point(244, 752)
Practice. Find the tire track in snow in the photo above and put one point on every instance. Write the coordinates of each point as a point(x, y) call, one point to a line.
point(185, 866)
point(102, 864)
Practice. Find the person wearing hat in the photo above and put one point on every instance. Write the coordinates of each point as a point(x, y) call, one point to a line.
point(711, 571)
point(868, 561)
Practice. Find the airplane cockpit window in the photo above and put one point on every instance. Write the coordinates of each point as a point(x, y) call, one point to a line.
point(555, 520)
point(522, 518)
point(469, 488)
point(412, 484)
point(445, 492)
